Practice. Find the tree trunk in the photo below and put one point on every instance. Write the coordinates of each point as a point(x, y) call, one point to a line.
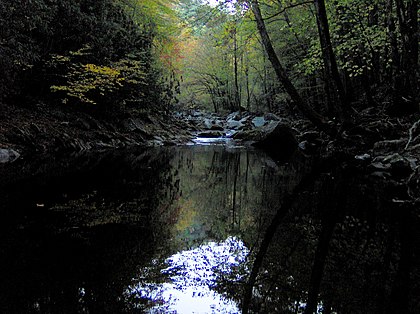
point(308, 112)
point(248, 91)
point(407, 18)
point(318, 266)
point(237, 97)
point(394, 53)
point(330, 62)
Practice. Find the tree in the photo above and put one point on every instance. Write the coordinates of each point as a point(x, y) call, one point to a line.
point(41, 45)
point(313, 116)
point(407, 13)
point(330, 63)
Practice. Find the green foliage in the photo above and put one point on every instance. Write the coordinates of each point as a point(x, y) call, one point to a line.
point(84, 51)
point(358, 39)
point(149, 51)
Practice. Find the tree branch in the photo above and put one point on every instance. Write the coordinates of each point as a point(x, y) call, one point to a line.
point(287, 8)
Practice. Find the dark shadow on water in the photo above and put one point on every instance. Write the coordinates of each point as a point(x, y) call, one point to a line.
point(180, 229)
point(80, 232)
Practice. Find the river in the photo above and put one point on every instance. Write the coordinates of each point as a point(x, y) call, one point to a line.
point(177, 229)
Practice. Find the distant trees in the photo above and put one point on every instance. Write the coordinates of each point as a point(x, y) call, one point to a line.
point(213, 55)
point(337, 55)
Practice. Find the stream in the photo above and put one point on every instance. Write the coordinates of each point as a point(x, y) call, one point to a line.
point(176, 229)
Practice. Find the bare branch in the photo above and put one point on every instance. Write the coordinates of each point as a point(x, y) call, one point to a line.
point(287, 8)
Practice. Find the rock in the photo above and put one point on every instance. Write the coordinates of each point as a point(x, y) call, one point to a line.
point(401, 166)
point(310, 136)
point(212, 124)
point(234, 116)
point(380, 166)
point(307, 147)
point(197, 113)
point(137, 125)
point(362, 157)
point(413, 184)
point(259, 122)
point(82, 124)
point(231, 133)
point(398, 165)
point(245, 135)
point(278, 140)
point(384, 147)
point(234, 125)
point(217, 126)
point(271, 117)
point(8, 155)
point(244, 120)
point(237, 121)
point(381, 175)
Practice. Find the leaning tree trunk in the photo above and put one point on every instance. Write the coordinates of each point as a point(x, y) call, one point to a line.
point(309, 113)
point(330, 62)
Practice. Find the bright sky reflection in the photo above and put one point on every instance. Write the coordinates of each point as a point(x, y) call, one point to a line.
point(193, 273)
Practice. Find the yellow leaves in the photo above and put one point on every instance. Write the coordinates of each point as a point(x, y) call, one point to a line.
point(59, 58)
point(102, 70)
point(84, 82)
point(84, 51)
point(90, 83)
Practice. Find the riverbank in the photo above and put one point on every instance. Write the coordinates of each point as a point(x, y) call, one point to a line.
point(45, 129)
point(385, 147)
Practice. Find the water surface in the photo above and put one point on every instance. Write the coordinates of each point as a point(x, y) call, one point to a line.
point(164, 229)
point(178, 230)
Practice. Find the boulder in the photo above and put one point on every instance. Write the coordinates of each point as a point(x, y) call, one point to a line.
point(384, 147)
point(212, 124)
point(234, 116)
point(310, 136)
point(8, 155)
point(398, 165)
point(234, 125)
point(259, 122)
point(237, 121)
point(413, 184)
point(363, 157)
point(271, 117)
point(277, 139)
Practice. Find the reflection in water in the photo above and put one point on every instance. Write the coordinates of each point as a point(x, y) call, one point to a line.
point(105, 218)
point(192, 275)
point(151, 230)
point(214, 141)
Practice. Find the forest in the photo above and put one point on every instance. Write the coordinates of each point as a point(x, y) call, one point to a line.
point(336, 82)
point(324, 61)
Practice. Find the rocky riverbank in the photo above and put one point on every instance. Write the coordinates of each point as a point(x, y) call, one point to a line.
point(386, 148)
point(25, 132)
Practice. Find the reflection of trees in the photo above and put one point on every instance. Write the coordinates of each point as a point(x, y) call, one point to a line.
point(339, 244)
point(227, 192)
point(79, 252)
